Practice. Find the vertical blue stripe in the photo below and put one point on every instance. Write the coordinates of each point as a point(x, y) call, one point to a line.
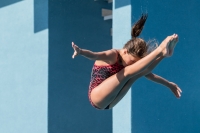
point(121, 34)
point(23, 71)
point(69, 109)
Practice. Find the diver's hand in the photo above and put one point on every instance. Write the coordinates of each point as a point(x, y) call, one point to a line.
point(77, 50)
point(175, 89)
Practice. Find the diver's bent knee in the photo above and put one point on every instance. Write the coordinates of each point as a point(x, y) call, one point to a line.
point(127, 73)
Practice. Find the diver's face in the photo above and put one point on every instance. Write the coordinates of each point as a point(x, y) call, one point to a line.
point(128, 59)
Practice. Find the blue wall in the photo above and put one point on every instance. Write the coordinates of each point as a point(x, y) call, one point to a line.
point(154, 107)
point(23, 69)
point(69, 108)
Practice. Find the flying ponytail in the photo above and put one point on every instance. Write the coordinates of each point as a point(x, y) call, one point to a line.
point(137, 46)
point(138, 26)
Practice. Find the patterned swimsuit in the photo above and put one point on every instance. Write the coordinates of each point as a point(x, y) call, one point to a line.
point(99, 74)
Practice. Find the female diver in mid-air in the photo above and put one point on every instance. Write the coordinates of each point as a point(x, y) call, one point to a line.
point(114, 71)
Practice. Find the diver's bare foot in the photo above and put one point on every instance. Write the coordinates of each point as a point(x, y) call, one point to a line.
point(173, 44)
point(165, 46)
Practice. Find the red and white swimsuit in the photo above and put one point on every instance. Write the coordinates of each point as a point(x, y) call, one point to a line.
point(100, 73)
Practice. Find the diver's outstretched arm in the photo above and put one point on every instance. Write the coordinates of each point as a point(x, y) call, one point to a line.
point(172, 86)
point(104, 55)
